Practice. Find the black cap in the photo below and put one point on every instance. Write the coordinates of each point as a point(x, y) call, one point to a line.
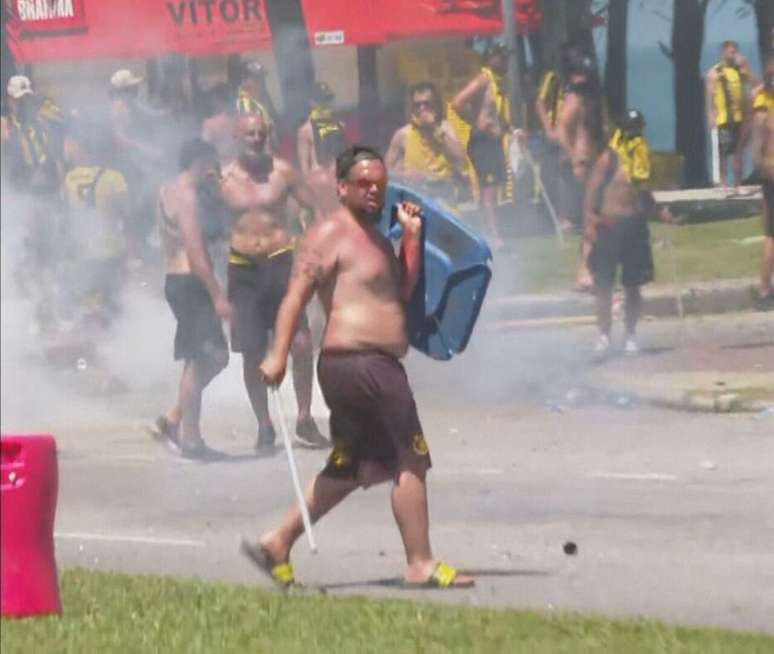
point(322, 93)
point(496, 48)
point(633, 119)
point(253, 69)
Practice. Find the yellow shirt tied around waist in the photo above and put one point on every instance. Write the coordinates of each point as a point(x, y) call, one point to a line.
point(92, 195)
point(424, 154)
point(633, 156)
point(727, 95)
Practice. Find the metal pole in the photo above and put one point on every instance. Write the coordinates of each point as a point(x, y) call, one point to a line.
point(509, 40)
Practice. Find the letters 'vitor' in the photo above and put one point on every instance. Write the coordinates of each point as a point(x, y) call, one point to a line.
point(205, 12)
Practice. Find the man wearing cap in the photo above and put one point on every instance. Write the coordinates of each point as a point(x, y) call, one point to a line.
point(32, 163)
point(253, 96)
point(483, 103)
point(426, 152)
point(321, 137)
point(136, 155)
point(616, 212)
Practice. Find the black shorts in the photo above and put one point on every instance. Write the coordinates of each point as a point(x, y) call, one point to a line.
point(768, 207)
point(728, 138)
point(488, 158)
point(256, 290)
point(627, 241)
point(373, 414)
point(199, 331)
point(569, 194)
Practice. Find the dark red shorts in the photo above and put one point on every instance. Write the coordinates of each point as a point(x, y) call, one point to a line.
point(373, 414)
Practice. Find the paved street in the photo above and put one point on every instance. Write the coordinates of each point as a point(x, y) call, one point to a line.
point(672, 512)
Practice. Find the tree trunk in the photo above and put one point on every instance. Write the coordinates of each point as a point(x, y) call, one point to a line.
point(615, 64)
point(764, 18)
point(294, 59)
point(687, 40)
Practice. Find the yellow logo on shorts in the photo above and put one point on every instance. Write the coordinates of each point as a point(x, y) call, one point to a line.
point(338, 458)
point(420, 445)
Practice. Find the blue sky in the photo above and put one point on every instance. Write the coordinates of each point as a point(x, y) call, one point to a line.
point(721, 22)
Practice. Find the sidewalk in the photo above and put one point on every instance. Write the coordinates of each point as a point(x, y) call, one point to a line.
point(660, 301)
point(713, 378)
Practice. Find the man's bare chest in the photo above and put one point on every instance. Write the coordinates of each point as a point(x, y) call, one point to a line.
point(245, 194)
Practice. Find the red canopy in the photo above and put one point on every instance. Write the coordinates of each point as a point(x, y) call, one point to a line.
point(61, 30)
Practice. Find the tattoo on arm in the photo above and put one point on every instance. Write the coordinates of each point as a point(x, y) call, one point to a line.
point(308, 265)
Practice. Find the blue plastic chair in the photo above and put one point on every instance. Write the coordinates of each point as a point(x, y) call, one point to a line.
point(454, 277)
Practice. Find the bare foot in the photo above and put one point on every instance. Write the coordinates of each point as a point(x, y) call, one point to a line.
point(273, 546)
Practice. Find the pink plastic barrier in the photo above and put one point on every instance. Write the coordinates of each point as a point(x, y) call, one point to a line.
point(28, 492)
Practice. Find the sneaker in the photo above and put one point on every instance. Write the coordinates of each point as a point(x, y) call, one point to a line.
point(264, 446)
point(764, 302)
point(602, 346)
point(308, 435)
point(167, 433)
point(631, 349)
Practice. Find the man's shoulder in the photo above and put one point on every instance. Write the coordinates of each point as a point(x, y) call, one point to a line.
point(401, 133)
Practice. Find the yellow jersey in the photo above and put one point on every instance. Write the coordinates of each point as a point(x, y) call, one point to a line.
point(552, 95)
point(764, 101)
point(425, 155)
point(727, 95)
point(633, 156)
point(93, 196)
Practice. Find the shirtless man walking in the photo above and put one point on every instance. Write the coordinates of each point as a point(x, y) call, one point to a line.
point(363, 288)
point(256, 188)
point(193, 293)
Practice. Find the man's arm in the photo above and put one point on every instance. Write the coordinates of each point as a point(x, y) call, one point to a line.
point(759, 138)
point(709, 101)
point(395, 153)
point(463, 101)
point(198, 259)
point(409, 216)
point(315, 260)
point(452, 147)
point(299, 190)
point(305, 145)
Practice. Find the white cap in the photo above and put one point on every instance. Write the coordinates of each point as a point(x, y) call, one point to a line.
point(124, 79)
point(19, 86)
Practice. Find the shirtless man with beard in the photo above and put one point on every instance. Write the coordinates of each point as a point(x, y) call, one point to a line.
point(256, 188)
point(363, 287)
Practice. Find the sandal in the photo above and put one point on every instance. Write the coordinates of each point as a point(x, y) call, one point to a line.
point(281, 574)
point(443, 577)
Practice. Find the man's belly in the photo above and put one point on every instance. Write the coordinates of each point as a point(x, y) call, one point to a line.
point(366, 326)
point(257, 240)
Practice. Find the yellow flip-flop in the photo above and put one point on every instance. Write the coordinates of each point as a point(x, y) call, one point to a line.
point(281, 574)
point(443, 577)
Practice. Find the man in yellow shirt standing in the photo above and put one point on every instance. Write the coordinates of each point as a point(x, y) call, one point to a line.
point(763, 159)
point(725, 88)
point(425, 152)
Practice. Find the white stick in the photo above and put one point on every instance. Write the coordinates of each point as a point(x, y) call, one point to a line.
point(715, 156)
point(678, 289)
point(549, 205)
point(293, 469)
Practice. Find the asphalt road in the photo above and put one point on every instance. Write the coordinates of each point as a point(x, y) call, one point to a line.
point(672, 513)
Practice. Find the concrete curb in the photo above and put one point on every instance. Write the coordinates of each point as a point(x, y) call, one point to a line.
point(692, 392)
point(658, 302)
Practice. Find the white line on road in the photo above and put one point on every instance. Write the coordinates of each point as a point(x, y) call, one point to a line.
point(145, 540)
point(633, 476)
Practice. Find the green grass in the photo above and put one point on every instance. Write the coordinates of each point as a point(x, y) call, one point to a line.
point(115, 613)
point(704, 252)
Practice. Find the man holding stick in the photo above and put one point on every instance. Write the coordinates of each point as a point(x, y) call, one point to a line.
point(363, 288)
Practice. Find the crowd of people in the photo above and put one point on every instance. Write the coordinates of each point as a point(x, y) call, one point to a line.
point(94, 191)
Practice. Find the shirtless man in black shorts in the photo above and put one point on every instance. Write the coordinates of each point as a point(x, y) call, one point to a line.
point(616, 232)
point(363, 287)
point(194, 294)
point(256, 188)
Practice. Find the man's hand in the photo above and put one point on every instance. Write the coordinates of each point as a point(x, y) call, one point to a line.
point(410, 218)
point(223, 307)
point(273, 369)
point(665, 215)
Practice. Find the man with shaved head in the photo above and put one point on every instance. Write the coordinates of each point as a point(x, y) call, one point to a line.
point(256, 188)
